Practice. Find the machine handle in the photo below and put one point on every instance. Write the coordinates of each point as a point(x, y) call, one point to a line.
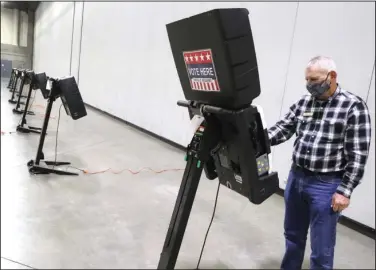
point(52, 79)
point(183, 103)
point(217, 110)
point(207, 108)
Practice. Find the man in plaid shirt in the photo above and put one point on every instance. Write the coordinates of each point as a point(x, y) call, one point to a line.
point(333, 134)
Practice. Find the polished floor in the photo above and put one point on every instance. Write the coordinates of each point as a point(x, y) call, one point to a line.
point(118, 219)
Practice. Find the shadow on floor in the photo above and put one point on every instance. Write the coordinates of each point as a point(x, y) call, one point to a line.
point(275, 263)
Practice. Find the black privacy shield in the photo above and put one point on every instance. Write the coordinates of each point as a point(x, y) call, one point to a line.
point(215, 57)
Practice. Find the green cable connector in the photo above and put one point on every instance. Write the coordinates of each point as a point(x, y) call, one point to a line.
point(186, 157)
point(198, 164)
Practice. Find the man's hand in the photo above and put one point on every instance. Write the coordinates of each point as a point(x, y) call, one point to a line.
point(339, 202)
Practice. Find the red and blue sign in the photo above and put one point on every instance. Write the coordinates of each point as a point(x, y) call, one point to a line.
point(201, 70)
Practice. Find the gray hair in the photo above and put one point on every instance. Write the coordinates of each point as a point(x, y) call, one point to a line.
point(323, 62)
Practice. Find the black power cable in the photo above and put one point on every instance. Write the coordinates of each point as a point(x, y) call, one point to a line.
point(57, 134)
point(32, 102)
point(211, 221)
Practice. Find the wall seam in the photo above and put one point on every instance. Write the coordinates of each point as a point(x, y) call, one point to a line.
point(370, 82)
point(289, 59)
point(34, 34)
point(79, 53)
point(18, 27)
point(32, 40)
point(62, 13)
point(286, 76)
point(71, 53)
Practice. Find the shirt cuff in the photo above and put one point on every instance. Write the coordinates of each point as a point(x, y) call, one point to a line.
point(344, 190)
point(271, 138)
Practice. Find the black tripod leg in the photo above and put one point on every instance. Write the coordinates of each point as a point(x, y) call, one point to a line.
point(35, 169)
point(23, 129)
point(180, 216)
point(36, 128)
point(10, 80)
point(34, 131)
point(13, 91)
point(57, 163)
point(16, 110)
point(23, 120)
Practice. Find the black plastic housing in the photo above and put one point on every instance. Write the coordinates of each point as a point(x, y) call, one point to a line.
point(227, 34)
point(40, 82)
point(242, 140)
point(71, 97)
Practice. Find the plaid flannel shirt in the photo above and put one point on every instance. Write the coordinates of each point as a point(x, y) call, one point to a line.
point(331, 136)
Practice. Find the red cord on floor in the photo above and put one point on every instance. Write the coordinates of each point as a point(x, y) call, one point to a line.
point(130, 171)
point(7, 132)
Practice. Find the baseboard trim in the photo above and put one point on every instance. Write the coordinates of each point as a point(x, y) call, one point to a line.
point(179, 146)
point(348, 222)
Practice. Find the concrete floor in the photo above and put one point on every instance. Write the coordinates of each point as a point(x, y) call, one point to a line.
point(120, 220)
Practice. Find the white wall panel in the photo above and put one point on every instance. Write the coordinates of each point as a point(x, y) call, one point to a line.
point(9, 26)
point(371, 95)
point(346, 32)
point(24, 27)
point(52, 38)
point(78, 9)
point(362, 207)
point(273, 41)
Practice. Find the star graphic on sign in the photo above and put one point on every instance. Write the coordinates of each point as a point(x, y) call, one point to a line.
point(191, 57)
point(196, 57)
point(186, 58)
point(202, 57)
point(208, 56)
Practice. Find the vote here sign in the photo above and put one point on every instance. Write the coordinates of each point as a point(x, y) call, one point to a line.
point(201, 70)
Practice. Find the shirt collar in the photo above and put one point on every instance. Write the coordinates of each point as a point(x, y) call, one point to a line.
point(338, 90)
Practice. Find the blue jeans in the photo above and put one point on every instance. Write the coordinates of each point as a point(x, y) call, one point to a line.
point(308, 200)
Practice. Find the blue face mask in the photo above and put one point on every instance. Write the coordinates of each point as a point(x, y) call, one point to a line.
point(318, 89)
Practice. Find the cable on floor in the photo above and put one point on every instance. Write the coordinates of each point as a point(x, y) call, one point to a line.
point(42, 114)
point(28, 108)
point(211, 221)
point(32, 101)
point(7, 132)
point(123, 170)
point(102, 171)
point(57, 134)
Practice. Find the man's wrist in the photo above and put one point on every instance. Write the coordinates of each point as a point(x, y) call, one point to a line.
point(344, 190)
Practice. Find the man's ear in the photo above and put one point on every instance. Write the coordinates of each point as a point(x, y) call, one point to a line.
point(333, 74)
